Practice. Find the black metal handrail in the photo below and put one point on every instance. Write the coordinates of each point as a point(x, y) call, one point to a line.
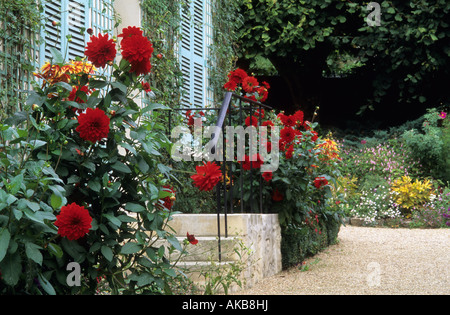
point(224, 200)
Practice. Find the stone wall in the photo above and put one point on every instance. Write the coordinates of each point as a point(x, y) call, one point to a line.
point(261, 233)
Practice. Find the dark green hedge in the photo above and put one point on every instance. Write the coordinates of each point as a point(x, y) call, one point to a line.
point(299, 243)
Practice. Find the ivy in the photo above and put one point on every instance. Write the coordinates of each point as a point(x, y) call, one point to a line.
point(19, 25)
point(162, 24)
point(227, 21)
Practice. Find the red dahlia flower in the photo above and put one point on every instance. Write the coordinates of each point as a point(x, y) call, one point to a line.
point(254, 163)
point(287, 134)
point(100, 50)
point(146, 87)
point(251, 121)
point(137, 50)
point(237, 76)
point(93, 125)
point(130, 31)
point(249, 84)
point(288, 120)
point(167, 202)
point(230, 85)
point(260, 113)
point(73, 95)
point(73, 221)
point(208, 175)
point(191, 239)
point(267, 176)
point(320, 181)
point(277, 196)
point(299, 116)
point(268, 123)
point(290, 152)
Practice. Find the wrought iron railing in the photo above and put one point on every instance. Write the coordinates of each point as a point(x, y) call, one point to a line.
point(227, 200)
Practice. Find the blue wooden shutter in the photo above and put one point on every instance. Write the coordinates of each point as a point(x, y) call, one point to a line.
point(75, 17)
point(101, 16)
point(77, 23)
point(52, 35)
point(192, 54)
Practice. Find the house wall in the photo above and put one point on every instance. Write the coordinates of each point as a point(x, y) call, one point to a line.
point(130, 13)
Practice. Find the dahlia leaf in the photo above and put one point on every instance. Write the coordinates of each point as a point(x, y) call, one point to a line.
point(107, 252)
point(94, 185)
point(55, 201)
point(5, 236)
point(46, 285)
point(33, 252)
point(64, 85)
point(130, 248)
point(134, 207)
point(119, 166)
point(55, 250)
point(11, 269)
point(113, 219)
point(57, 56)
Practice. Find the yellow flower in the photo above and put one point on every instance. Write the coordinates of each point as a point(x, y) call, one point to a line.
point(409, 193)
point(329, 150)
point(52, 73)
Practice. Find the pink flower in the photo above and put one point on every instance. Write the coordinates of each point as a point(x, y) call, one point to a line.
point(363, 141)
point(443, 115)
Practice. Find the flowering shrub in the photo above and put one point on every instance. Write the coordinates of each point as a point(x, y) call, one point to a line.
point(300, 186)
point(434, 213)
point(83, 179)
point(375, 204)
point(430, 144)
point(408, 193)
point(383, 160)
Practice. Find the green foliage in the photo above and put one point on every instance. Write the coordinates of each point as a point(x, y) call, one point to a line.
point(375, 163)
point(226, 21)
point(435, 213)
point(417, 60)
point(426, 145)
point(446, 149)
point(407, 55)
point(46, 164)
point(299, 243)
point(288, 29)
point(162, 23)
point(19, 26)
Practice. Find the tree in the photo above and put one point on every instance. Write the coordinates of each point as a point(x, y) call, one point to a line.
point(406, 57)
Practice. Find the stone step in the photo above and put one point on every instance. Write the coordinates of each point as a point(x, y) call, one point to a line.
point(203, 273)
point(207, 249)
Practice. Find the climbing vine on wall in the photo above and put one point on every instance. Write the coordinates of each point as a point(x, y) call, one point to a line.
point(161, 23)
point(227, 20)
point(19, 28)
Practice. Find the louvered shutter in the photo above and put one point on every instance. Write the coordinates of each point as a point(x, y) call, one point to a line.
point(101, 16)
point(52, 34)
point(192, 54)
point(77, 23)
point(74, 16)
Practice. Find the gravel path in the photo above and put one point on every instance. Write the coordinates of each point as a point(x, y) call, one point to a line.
point(371, 261)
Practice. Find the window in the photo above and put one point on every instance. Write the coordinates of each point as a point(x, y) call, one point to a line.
point(194, 53)
point(74, 18)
